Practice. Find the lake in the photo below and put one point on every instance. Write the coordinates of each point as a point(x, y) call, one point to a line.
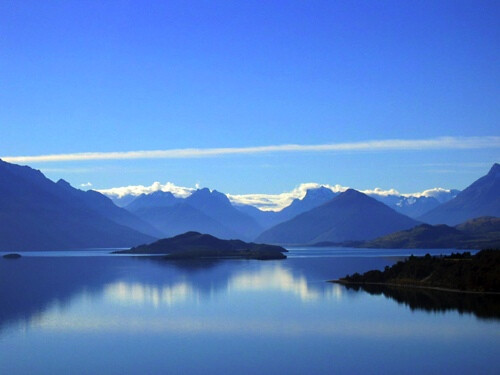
point(88, 312)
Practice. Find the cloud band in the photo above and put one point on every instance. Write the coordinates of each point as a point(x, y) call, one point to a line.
point(184, 153)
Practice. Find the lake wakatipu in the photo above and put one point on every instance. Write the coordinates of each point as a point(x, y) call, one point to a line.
point(87, 312)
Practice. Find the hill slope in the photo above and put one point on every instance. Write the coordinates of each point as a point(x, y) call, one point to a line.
point(101, 204)
point(478, 233)
point(481, 198)
point(38, 214)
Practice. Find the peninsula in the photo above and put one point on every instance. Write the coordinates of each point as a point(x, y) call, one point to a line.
point(457, 272)
point(194, 245)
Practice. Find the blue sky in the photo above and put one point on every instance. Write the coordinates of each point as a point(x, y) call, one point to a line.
point(120, 76)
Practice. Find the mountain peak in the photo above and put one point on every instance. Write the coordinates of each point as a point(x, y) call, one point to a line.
point(189, 234)
point(495, 169)
point(355, 197)
point(204, 191)
point(352, 193)
point(319, 192)
point(63, 183)
point(157, 198)
point(351, 216)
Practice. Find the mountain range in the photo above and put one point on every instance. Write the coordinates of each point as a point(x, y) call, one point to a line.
point(203, 211)
point(156, 199)
point(414, 206)
point(39, 214)
point(335, 222)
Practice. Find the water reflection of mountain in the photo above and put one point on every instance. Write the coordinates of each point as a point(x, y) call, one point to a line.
point(30, 286)
point(481, 305)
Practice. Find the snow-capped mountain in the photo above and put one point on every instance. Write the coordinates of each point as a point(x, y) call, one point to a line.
point(415, 205)
point(270, 209)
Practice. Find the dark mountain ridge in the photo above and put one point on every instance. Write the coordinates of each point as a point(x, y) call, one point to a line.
point(481, 198)
point(104, 206)
point(38, 214)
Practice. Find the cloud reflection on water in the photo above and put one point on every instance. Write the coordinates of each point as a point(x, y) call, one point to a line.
point(143, 294)
point(268, 279)
point(272, 279)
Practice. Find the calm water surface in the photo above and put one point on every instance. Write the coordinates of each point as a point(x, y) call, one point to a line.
point(91, 313)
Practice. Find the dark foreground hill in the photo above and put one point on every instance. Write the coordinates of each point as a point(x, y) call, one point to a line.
point(350, 216)
point(462, 272)
point(480, 233)
point(194, 245)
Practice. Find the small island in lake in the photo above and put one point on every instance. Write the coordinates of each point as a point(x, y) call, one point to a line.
point(458, 272)
point(194, 245)
point(12, 256)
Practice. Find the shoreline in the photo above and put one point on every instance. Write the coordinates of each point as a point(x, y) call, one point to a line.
point(441, 289)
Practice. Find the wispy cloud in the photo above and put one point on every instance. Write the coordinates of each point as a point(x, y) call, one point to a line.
point(441, 143)
point(136, 190)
